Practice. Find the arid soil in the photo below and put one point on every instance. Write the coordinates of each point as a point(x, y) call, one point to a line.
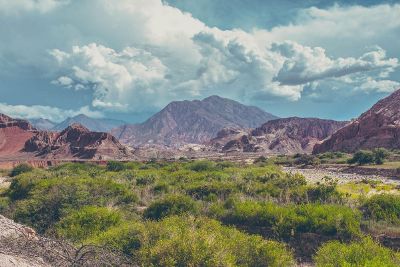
point(342, 174)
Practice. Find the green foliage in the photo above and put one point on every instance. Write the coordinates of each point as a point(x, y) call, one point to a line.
point(202, 166)
point(382, 207)
point(46, 200)
point(189, 241)
point(89, 221)
point(363, 253)
point(380, 154)
point(284, 221)
point(306, 160)
point(21, 168)
point(115, 166)
point(171, 205)
point(364, 157)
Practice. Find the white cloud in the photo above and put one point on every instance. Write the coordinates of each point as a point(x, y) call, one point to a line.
point(381, 86)
point(45, 112)
point(114, 77)
point(141, 54)
point(306, 64)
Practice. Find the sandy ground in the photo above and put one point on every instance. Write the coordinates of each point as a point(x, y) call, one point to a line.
point(4, 182)
point(317, 175)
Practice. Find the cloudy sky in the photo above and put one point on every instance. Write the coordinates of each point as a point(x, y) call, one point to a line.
point(127, 59)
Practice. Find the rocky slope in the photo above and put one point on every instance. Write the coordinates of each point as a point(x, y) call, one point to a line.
point(378, 127)
point(96, 125)
point(195, 122)
point(75, 141)
point(13, 135)
point(283, 136)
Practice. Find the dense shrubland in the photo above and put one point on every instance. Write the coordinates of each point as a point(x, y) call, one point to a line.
point(197, 213)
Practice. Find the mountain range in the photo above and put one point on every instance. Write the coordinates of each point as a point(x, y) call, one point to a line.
point(196, 122)
point(96, 125)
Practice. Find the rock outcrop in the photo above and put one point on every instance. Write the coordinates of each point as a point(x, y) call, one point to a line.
point(378, 127)
point(283, 136)
point(195, 122)
point(13, 135)
point(75, 141)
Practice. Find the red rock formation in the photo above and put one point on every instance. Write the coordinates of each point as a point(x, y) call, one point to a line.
point(378, 127)
point(288, 136)
point(13, 135)
point(76, 141)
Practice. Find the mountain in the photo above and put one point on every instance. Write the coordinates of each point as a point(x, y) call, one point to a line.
point(197, 121)
point(42, 124)
point(378, 127)
point(75, 141)
point(13, 135)
point(97, 125)
point(283, 136)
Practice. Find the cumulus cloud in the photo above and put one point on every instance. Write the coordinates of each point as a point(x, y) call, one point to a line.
point(114, 77)
point(142, 54)
point(46, 112)
point(306, 64)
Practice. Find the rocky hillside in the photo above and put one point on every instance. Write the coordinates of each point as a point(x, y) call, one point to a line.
point(13, 135)
point(195, 121)
point(284, 136)
point(378, 127)
point(96, 125)
point(75, 141)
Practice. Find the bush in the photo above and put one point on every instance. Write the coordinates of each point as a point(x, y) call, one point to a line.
point(363, 253)
point(362, 157)
point(306, 160)
point(380, 154)
point(47, 200)
point(19, 169)
point(189, 241)
point(329, 220)
point(81, 224)
point(382, 208)
point(202, 166)
point(171, 205)
point(115, 166)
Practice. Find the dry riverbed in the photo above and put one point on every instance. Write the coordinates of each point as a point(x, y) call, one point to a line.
point(315, 175)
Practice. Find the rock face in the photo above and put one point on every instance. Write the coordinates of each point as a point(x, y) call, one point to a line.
point(283, 136)
point(184, 122)
point(13, 135)
point(378, 127)
point(96, 125)
point(75, 141)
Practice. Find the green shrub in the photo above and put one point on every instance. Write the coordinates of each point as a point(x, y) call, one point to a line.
point(306, 160)
point(330, 220)
point(89, 221)
point(171, 205)
point(202, 166)
point(380, 154)
point(115, 166)
point(362, 157)
point(363, 253)
point(382, 208)
point(48, 199)
point(189, 241)
point(19, 169)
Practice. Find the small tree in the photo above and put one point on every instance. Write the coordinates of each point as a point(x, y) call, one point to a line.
point(21, 168)
point(362, 157)
point(380, 154)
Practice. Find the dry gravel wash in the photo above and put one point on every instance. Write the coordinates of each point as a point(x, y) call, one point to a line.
point(317, 174)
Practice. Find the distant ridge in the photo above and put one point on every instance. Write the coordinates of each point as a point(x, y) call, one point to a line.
point(96, 125)
point(197, 121)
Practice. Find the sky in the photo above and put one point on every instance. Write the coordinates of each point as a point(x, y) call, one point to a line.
point(127, 59)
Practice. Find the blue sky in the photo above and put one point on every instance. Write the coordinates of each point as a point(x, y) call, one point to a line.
point(127, 59)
